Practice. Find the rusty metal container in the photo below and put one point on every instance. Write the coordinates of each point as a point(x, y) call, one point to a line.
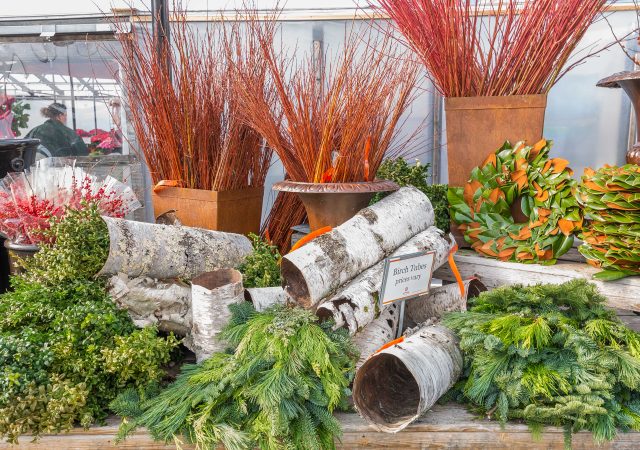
point(235, 211)
point(477, 126)
point(19, 252)
point(332, 204)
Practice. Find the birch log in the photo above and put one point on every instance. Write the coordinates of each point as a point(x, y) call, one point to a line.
point(354, 305)
point(317, 269)
point(211, 295)
point(164, 252)
point(166, 304)
point(397, 385)
point(263, 298)
point(380, 331)
point(439, 301)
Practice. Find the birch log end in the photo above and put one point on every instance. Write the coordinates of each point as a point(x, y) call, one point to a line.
point(382, 330)
point(317, 269)
point(164, 251)
point(166, 304)
point(211, 295)
point(440, 301)
point(263, 298)
point(354, 305)
point(397, 385)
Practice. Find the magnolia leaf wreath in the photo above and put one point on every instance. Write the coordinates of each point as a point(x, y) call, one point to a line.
point(611, 201)
point(545, 192)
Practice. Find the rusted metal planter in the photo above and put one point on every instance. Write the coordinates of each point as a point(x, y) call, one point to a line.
point(19, 251)
point(332, 204)
point(478, 126)
point(235, 211)
point(630, 84)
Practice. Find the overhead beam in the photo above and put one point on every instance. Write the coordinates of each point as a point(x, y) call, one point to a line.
point(46, 82)
point(19, 83)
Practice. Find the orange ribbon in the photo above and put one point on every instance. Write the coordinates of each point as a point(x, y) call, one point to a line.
point(309, 237)
point(454, 269)
point(390, 344)
point(165, 184)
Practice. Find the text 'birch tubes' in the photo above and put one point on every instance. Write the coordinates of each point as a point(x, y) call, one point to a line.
point(355, 304)
point(263, 298)
point(140, 249)
point(317, 269)
point(380, 331)
point(400, 383)
point(211, 295)
point(439, 301)
point(166, 303)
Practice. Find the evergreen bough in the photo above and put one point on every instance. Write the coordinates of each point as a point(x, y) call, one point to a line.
point(550, 355)
point(262, 267)
point(277, 390)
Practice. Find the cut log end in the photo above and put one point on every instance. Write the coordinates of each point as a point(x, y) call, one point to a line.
point(217, 278)
point(295, 285)
point(387, 392)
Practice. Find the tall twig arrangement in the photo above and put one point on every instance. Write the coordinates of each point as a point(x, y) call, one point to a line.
point(515, 47)
point(333, 123)
point(186, 120)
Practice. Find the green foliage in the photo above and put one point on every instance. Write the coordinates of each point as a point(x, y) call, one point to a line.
point(65, 351)
point(276, 391)
point(20, 116)
point(550, 355)
point(399, 171)
point(262, 267)
point(80, 250)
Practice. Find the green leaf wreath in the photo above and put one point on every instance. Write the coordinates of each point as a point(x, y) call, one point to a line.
point(550, 355)
point(610, 198)
point(545, 192)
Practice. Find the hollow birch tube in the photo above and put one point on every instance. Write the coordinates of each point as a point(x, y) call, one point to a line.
point(166, 304)
point(377, 333)
point(263, 298)
point(354, 306)
point(211, 295)
point(164, 251)
point(317, 269)
point(400, 383)
point(439, 301)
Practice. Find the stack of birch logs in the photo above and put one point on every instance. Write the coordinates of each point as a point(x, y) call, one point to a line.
point(339, 275)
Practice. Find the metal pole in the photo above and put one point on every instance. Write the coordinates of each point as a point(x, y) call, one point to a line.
point(437, 137)
point(161, 30)
point(73, 98)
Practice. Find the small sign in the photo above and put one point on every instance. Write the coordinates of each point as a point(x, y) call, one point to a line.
point(406, 276)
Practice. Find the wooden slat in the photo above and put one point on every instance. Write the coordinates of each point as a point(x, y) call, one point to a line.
point(444, 427)
point(621, 294)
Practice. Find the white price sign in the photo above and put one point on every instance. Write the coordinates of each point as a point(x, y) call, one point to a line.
point(406, 276)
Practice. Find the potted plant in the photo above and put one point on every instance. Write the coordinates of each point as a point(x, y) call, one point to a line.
point(207, 164)
point(494, 66)
point(331, 125)
point(30, 201)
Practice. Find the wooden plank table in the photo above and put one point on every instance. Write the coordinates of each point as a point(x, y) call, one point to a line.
point(621, 294)
point(444, 427)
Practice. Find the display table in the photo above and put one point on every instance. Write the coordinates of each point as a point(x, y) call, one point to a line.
point(621, 294)
point(444, 427)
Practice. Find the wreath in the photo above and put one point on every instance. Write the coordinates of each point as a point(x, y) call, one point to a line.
point(546, 194)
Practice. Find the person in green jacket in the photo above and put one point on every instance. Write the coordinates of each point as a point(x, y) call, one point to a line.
point(55, 136)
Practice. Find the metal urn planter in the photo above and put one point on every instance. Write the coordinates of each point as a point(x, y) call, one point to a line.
point(331, 204)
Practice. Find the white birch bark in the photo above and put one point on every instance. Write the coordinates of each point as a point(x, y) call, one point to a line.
point(397, 385)
point(263, 298)
point(355, 304)
point(141, 249)
point(440, 301)
point(166, 304)
point(317, 269)
point(211, 295)
point(380, 331)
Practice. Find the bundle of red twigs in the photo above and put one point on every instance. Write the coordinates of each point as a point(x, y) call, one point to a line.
point(333, 123)
point(514, 47)
point(187, 122)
